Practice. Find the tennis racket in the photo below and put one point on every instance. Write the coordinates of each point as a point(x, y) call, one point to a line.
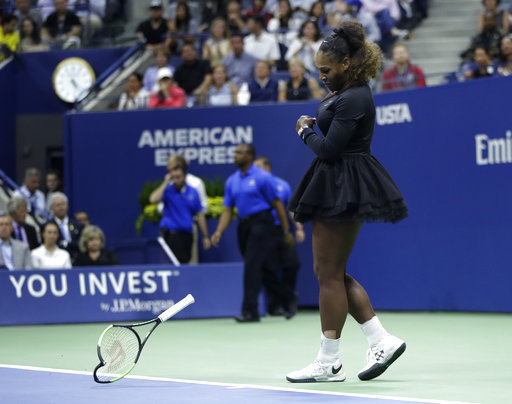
point(120, 346)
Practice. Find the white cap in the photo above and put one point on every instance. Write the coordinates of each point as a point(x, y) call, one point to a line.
point(155, 3)
point(163, 72)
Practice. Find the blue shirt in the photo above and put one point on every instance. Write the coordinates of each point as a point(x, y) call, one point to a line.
point(180, 207)
point(6, 251)
point(267, 93)
point(250, 193)
point(283, 191)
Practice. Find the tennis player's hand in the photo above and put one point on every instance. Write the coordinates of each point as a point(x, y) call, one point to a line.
point(305, 120)
point(215, 239)
point(288, 240)
point(206, 243)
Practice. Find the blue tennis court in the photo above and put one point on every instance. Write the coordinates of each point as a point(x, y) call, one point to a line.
point(42, 385)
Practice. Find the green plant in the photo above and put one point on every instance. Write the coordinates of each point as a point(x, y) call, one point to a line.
point(149, 210)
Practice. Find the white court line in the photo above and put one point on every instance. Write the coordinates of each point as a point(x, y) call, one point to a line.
point(238, 386)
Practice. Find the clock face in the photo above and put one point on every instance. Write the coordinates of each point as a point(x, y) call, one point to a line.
point(71, 79)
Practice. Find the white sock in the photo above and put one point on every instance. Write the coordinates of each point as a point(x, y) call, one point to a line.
point(374, 331)
point(329, 349)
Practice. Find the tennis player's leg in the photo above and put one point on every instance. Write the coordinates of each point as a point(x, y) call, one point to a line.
point(332, 245)
point(384, 348)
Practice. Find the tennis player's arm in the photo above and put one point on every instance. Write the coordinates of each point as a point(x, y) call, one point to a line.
point(224, 221)
point(156, 195)
point(342, 129)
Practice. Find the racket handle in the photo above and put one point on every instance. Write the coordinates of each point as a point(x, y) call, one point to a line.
point(176, 308)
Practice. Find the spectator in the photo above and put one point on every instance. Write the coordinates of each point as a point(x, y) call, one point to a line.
point(263, 88)
point(317, 14)
point(92, 251)
point(222, 91)
point(70, 230)
point(53, 184)
point(62, 28)
point(209, 11)
point(306, 45)
point(83, 217)
point(194, 75)
point(259, 43)
point(259, 9)
point(91, 14)
point(489, 38)
point(9, 36)
point(299, 88)
point(218, 45)
point(24, 10)
point(134, 96)
point(30, 191)
point(14, 254)
point(285, 23)
point(31, 37)
point(505, 60)
point(387, 14)
point(181, 205)
point(236, 23)
point(22, 231)
point(49, 255)
point(501, 16)
point(46, 7)
point(239, 64)
point(154, 29)
point(194, 7)
point(183, 28)
point(168, 95)
point(162, 55)
point(352, 10)
point(409, 15)
point(482, 65)
point(403, 74)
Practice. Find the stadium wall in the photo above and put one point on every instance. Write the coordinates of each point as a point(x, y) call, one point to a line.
point(449, 148)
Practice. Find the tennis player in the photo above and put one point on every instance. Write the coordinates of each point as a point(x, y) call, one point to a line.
point(344, 187)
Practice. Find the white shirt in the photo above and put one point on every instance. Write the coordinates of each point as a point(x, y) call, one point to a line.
point(139, 101)
point(198, 184)
point(306, 53)
point(43, 259)
point(264, 47)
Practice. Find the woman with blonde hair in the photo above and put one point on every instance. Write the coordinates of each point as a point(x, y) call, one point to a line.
point(299, 87)
point(218, 45)
point(92, 252)
point(222, 91)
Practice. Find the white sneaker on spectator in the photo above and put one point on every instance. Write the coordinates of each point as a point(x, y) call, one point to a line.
point(318, 372)
point(381, 356)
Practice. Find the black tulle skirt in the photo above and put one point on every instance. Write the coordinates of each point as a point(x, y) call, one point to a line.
point(354, 188)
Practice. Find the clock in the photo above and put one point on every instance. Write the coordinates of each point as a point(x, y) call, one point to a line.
point(72, 78)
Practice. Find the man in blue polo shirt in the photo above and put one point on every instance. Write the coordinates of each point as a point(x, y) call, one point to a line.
point(181, 205)
point(288, 256)
point(251, 190)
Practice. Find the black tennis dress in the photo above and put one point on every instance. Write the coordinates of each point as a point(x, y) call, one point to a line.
point(345, 183)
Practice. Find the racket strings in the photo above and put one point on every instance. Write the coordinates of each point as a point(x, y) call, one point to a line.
point(119, 348)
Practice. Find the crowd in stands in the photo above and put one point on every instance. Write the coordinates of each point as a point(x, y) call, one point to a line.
point(490, 51)
point(37, 231)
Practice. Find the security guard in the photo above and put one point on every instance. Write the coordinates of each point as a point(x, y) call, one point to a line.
point(251, 190)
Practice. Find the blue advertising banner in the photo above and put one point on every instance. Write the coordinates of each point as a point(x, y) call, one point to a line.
point(125, 293)
point(8, 119)
point(449, 148)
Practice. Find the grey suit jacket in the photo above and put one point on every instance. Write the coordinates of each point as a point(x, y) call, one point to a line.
point(20, 255)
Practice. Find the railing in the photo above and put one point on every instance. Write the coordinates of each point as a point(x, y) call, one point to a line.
point(108, 75)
